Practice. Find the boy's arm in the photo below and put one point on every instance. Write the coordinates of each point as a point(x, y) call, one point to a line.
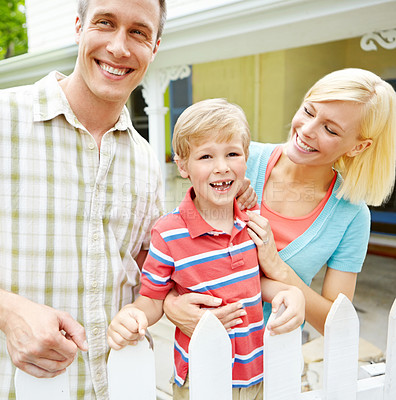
point(153, 308)
point(278, 293)
point(131, 322)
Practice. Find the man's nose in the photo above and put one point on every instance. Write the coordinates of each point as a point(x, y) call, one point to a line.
point(118, 45)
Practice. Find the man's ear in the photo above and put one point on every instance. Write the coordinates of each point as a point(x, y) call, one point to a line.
point(181, 165)
point(359, 148)
point(155, 49)
point(78, 29)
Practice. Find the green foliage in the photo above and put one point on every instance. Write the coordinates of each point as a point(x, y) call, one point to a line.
point(13, 33)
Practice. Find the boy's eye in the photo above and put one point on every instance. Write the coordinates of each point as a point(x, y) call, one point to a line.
point(233, 154)
point(204, 157)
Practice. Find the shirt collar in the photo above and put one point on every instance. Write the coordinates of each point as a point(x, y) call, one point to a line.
point(50, 101)
point(197, 226)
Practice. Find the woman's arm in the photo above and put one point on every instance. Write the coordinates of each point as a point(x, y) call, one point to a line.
point(317, 305)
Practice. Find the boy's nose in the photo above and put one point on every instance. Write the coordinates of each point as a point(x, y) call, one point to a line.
point(221, 165)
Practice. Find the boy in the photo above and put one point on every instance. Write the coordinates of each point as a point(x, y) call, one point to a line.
point(203, 246)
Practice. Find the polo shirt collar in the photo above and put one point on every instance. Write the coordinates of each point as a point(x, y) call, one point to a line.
point(50, 101)
point(197, 226)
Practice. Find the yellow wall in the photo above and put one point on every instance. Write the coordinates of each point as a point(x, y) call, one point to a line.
point(270, 86)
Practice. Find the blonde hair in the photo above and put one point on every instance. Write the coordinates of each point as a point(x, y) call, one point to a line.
point(370, 175)
point(207, 118)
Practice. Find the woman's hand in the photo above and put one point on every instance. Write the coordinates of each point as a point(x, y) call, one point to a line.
point(186, 310)
point(246, 197)
point(270, 263)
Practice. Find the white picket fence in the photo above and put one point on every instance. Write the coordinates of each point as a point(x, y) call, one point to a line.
point(210, 366)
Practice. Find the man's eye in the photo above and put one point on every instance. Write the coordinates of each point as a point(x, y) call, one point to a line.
point(105, 23)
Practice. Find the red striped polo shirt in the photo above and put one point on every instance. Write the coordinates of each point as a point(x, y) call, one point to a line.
point(188, 254)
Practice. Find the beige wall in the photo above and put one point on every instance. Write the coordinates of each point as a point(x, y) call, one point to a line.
point(270, 86)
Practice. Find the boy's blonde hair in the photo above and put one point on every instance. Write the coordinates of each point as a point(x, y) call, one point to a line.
point(370, 175)
point(209, 119)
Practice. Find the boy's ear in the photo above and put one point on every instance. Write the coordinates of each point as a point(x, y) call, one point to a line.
point(359, 148)
point(181, 165)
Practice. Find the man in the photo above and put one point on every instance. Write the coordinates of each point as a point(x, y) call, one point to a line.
point(79, 193)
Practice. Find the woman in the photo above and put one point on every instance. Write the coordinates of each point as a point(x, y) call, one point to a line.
point(314, 190)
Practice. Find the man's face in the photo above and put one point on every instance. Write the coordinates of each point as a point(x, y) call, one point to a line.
point(117, 43)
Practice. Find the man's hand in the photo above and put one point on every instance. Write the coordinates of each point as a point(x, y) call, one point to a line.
point(186, 310)
point(41, 341)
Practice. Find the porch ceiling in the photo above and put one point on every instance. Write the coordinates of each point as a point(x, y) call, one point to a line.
point(232, 28)
point(248, 27)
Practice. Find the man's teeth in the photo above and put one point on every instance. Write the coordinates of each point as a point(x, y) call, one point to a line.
point(303, 145)
point(114, 71)
point(221, 185)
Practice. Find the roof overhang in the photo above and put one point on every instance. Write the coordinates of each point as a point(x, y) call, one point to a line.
point(232, 29)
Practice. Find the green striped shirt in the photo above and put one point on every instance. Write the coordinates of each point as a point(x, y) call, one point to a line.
point(72, 222)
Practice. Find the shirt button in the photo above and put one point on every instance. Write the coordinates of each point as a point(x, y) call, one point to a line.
point(94, 284)
point(91, 145)
point(95, 331)
point(95, 236)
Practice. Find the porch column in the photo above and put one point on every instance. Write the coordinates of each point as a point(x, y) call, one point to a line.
point(154, 86)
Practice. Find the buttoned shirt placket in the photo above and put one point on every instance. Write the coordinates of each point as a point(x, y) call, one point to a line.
point(96, 261)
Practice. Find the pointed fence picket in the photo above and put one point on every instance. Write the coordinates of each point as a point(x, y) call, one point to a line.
point(210, 365)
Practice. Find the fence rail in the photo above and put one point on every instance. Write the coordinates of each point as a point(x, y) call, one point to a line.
point(131, 371)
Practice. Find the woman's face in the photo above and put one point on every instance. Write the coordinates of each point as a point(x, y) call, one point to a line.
point(322, 132)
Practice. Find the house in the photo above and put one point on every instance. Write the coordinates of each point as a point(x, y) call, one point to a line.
point(260, 54)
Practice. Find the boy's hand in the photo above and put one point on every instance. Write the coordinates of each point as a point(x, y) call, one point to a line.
point(294, 314)
point(127, 327)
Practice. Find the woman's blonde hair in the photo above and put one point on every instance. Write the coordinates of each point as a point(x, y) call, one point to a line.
point(370, 175)
point(207, 118)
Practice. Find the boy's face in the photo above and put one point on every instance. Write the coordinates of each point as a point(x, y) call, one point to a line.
point(117, 43)
point(216, 171)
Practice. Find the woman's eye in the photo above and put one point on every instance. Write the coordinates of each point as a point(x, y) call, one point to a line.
point(308, 112)
point(330, 131)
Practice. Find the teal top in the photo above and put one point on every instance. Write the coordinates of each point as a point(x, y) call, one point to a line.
point(337, 238)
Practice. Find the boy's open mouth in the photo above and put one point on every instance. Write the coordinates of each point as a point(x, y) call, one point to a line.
point(221, 185)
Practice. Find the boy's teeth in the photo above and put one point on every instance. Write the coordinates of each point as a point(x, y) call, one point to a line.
point(221, 185)
point(303, 145)
point(114, 71)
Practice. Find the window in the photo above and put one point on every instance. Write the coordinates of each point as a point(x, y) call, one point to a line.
point(136, 106)
point(180, 97)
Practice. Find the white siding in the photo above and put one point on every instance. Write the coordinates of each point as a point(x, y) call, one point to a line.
point(50, 23)
point(179, 8)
